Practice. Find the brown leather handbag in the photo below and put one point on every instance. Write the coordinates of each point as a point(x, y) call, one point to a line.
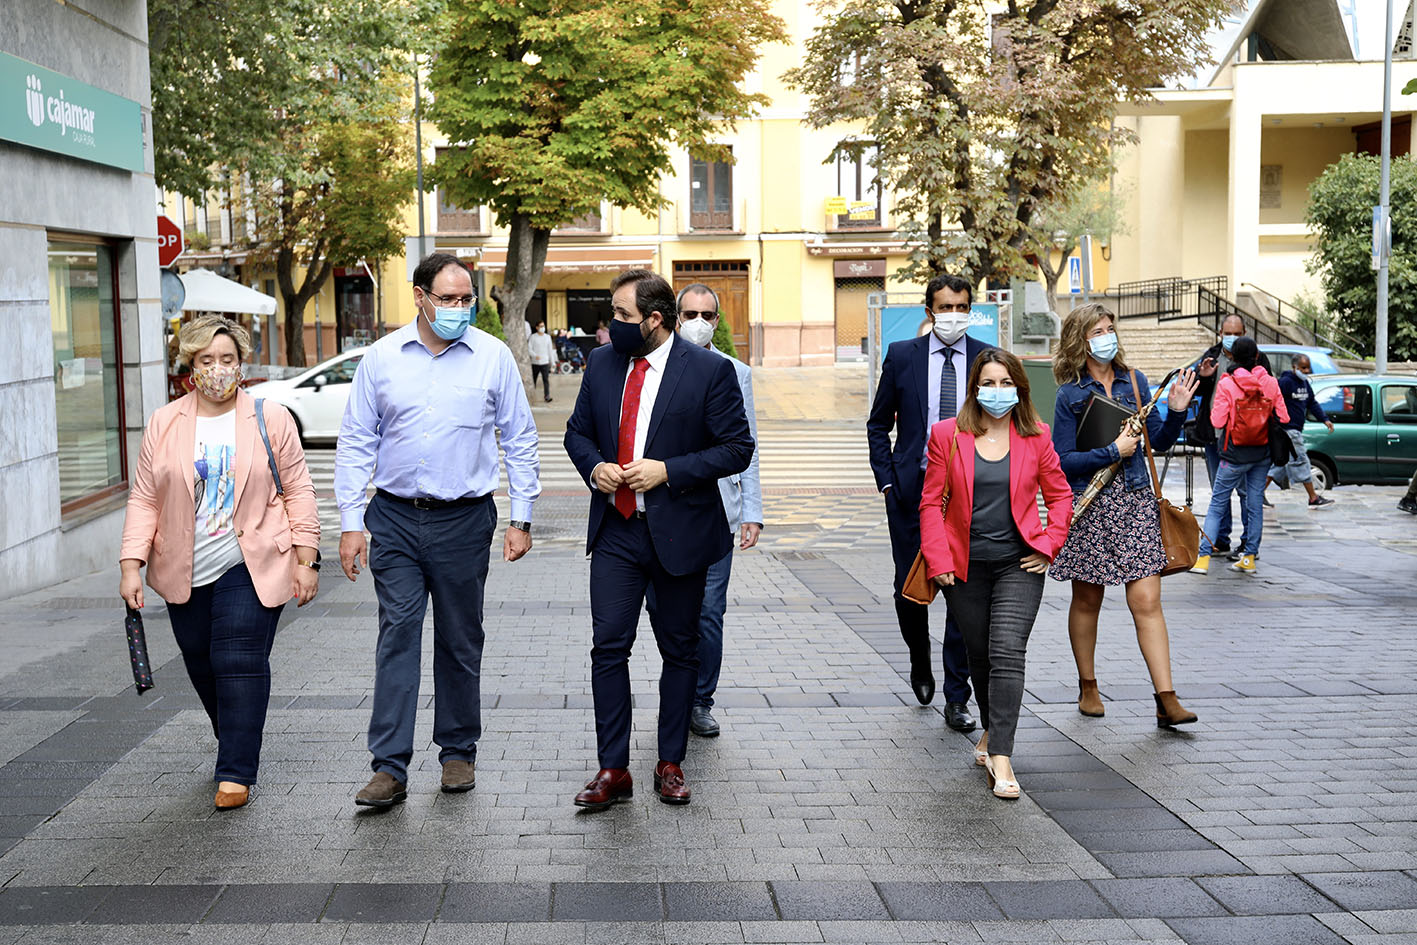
point(919, 587)
point(1180, 532)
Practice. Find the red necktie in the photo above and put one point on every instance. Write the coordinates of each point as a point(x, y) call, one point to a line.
point(629, 413)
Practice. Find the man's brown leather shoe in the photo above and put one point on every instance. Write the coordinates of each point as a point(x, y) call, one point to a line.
point(383, 791)
point(669, 783)
point(609, 786)
point(458, 776)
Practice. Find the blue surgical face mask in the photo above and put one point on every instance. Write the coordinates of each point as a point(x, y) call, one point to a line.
point(997, 401)
point(1103, 347)
point(1228, 341)
point(450, 323)
point(626, 337)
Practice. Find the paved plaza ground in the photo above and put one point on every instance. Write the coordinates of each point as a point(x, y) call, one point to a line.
point(831, 809)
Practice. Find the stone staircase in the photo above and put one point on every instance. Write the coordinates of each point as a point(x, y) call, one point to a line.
point(1157, 347)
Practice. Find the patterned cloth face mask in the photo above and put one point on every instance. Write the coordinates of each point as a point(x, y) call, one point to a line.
point(217, 382)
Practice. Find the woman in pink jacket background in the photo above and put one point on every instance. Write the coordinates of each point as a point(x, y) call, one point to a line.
point(221, 546)
point(1244, 400)
point(990, 549)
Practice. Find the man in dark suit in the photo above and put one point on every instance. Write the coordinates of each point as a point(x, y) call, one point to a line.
point(657, 423)
point(923, 382)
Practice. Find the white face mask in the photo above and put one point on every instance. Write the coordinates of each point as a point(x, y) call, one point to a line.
point(951, 326)
point(696, 331)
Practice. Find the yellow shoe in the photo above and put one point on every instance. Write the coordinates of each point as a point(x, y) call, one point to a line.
point(1246, 565)
point(1202, 565)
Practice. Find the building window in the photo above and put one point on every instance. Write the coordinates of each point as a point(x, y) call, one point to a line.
point(87, 386)
point(856, 181)
point(585, 223)
point(453, 218)
point(710, 195)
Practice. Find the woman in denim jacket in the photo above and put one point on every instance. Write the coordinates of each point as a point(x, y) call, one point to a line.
point(1118, 539)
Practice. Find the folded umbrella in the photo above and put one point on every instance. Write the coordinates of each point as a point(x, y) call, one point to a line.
point(138, 651)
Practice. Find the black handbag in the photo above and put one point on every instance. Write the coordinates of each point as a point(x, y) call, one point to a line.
point(1281, 448)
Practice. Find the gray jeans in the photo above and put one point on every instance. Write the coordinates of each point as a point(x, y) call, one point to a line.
point(996, 608)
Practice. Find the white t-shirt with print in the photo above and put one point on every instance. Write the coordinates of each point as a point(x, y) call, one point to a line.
point(215, 548)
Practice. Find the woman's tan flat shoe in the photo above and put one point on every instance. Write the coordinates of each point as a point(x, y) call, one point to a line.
point(230, 800)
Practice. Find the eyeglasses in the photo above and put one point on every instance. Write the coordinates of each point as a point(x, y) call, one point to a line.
point(690, 316)
point(451, 301)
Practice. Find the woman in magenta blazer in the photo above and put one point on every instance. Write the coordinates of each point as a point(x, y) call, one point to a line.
point(221, 546)
point(989, 549)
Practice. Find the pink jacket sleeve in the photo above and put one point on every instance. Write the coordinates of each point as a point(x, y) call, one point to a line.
point(140, 518)
point(1057, 494)
point(1224, 398)
point(934, 538)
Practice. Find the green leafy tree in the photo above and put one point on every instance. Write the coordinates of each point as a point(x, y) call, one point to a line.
point(723, 338)
point(315, 143)
point(1089, 210)
point(488, 320)
point(562, 104)
point(1340, 214)
point(982, 118)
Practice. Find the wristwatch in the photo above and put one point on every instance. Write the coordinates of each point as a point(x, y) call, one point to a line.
point(521, 526)
point(313, 565)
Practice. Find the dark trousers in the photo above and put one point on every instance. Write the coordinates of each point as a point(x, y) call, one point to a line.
point(710, 627)
point(903, 523)
point(997, 607)
point(545, 371)
point(415, 554)
point(623, 565)
point(225, 635)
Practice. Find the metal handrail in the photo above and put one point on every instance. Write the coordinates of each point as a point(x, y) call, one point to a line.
point(1319, 336)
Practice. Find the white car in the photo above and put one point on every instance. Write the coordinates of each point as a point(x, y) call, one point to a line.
point(316, 396)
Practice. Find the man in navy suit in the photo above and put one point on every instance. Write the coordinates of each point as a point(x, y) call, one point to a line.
point(923, 382)
point(658, 422)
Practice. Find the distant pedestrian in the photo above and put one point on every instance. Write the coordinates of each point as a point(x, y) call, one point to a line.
point(1214, 364)
point(657, 423)
point(923, 382)
point(990, 550)
point(742, 495)
point(223, 544)
point(542, 356)
point(430, 405)
point(1118, 539)
point(1300, 400)
point(602, 334)
point(1244, 400)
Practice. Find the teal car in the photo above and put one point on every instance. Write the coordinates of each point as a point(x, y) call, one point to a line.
point(1374, 438)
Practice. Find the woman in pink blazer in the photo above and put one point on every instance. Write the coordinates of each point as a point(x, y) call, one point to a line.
point(989, 549)
point(221, 547)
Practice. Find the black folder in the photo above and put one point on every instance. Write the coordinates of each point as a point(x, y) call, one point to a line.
point(1101, 422)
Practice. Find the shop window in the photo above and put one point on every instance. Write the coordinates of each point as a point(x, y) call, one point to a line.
point(710, 195)
point(87, 384)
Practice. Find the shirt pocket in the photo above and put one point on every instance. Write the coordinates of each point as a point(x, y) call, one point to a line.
point(472, 407)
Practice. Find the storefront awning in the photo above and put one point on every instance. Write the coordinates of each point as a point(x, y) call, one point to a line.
point(209, 292)
point(592, 258)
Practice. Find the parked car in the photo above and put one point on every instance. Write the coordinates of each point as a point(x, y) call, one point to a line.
point(1374, 438)
point(315, 397)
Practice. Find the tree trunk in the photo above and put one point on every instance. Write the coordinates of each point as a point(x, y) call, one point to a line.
point(526, 258)
point(317, 272)
point(1051, 275)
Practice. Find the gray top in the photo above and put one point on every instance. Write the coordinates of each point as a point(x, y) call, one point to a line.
point(993, 536)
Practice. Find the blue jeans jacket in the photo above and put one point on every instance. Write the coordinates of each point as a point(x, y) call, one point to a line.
point(1080, 465)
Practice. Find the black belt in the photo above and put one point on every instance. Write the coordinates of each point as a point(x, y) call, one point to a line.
point(423, 502)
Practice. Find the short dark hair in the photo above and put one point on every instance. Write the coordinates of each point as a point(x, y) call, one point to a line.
point(1245, 353)
point(429, 267)
point(653, 293)
point(1295, 361)
point(696, 287)
point(947, 281)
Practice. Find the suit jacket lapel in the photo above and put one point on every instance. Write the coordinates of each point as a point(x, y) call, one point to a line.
point(920, 363)
point(248, 440)
point(673, 370)
point(1017, 474)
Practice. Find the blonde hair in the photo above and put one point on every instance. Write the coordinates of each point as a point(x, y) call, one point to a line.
point(1070, 361)
point(201, 331)
point(971, 416)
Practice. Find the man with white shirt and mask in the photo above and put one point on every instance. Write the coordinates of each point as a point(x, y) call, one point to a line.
point(922, 382)
point(742, 495)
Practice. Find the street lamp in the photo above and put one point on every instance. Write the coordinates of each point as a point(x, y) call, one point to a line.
point(1382, 228)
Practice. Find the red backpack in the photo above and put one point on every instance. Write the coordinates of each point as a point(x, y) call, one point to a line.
point(1249, 419)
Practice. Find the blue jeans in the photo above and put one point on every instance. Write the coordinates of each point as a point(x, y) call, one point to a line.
point(1249, 477)
point(1212, 465)
point(225, 634)
point(415, 554)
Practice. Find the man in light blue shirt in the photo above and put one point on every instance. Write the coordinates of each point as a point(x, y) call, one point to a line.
point(424, 413)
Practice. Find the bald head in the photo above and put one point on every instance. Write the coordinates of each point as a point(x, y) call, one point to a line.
point(1232, 325)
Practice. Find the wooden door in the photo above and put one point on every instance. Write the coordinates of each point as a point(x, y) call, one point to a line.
point(730, 281)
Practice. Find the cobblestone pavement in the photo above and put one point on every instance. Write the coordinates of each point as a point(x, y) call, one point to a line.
point(832, 808)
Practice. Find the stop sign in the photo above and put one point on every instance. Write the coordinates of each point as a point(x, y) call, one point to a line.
point(169, 241)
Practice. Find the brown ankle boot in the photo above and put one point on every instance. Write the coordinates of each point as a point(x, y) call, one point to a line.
point(1170, 712)
point(1089, 699)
